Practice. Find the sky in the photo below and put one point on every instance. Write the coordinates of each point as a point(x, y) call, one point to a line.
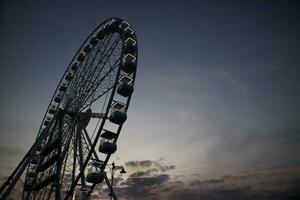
point(215, 112)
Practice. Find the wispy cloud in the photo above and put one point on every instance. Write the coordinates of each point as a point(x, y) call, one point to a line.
point(151, 182)
point(261, 185)
point(273, 184)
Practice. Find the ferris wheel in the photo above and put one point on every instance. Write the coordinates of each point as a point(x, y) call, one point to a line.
point(84, 118)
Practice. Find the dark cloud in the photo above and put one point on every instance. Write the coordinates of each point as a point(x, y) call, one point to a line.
point(142, 163)
point(118, 180)
point(207, 182)
point(152, 170)
point(183, 194)
point(238, 193)
point(239, 177)
point(165, 168)
point(146, 181)
point(149, 166)
point(139, 174)
point(150, 173)
point(152, 186)
point(142, 188)
point(235, 193)
point(173, 186)
point(146, 163)
point(163, 188)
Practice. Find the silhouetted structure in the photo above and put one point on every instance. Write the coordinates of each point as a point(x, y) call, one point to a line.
point(90, 102)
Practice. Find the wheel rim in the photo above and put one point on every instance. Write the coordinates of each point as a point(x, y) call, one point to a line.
point(90, 82)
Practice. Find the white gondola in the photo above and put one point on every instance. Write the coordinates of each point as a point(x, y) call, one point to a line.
point(129, 64)
point(52, 110)
point(94, 176)
point(100, 34)
point(94, 40)
point(47, 121)
point(39, 148)
point(75, 66)
point(114, 26)
point(107, 147)
point(128, 32)
point(124, 89)
point(106, 28)
point(130, 46)
point(57, 99)
point(117, 117)
point(34, 160)
point(81, 56)
point(108, 135)
point(69, 76)
point(30, 174)
point(124, 25)
point(87, 48)
point(63, 87)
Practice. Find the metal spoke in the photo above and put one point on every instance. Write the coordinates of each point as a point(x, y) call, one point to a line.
point(78, 81)
point(55, 164)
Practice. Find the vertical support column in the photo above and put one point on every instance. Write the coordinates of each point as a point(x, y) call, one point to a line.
point(112, 193)
point(81, 159)
point(78, 155)
point(74, 156)
point(112, 183)
point(59, 161)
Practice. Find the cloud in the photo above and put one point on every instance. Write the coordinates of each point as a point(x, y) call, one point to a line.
point(207, 182)
point(144, 173)
point(142, 163)
point(151, 166)
point(151, 183)
point(146, 181)
point(238, 177)
point(141, 188)
point(258, 185)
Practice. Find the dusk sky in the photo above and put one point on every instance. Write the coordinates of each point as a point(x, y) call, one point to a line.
point(215, 112)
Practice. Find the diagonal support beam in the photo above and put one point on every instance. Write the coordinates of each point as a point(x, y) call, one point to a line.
point(90, 143)
point(79, 140)
point(112, 192)
point(97, 159)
